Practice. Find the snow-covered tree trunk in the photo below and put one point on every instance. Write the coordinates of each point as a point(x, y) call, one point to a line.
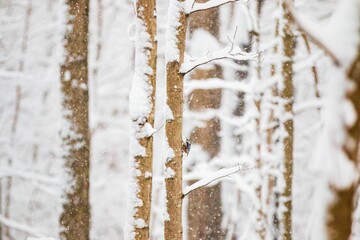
point(340, 211)
point(142, 113)
point(174, 57)
point(75, 218)
point(204, 212)
point(286, 121)
point(260, 215)
point(273, 120)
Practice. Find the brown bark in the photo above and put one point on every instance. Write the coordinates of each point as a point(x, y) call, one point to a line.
point(75, 218)
point(340, 211)
point(173, 128)
point(287, 94)
point(204, 209)
point(145, 12)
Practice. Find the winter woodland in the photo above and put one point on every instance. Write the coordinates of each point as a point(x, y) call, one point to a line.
point(179, 119)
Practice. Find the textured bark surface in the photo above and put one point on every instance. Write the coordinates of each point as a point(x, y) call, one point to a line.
point(287, 94)
point(204, 208)
point(146, 13)
point(173, 129)
point(75, 218)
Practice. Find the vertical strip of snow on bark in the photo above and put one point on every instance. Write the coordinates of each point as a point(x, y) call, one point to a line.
point(175, 40)
point(142, 112)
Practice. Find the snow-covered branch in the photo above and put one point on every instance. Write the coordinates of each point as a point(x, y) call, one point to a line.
point(233, 52)
point(192, 6)
point(215, 113)
point(212, 178)
point(215, 83)
point(20, 227)
point(311, 29)
point(28, 176)
point(308, 105)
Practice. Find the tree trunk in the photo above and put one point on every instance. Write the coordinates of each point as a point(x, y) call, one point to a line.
point(260, 226)
point(340, 211)
point(173, 127)
point(142, 114)
point(287, 94)
point(204, 212)
point(75, 218)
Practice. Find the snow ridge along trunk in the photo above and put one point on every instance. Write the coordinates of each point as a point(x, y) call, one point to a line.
point(142, 112)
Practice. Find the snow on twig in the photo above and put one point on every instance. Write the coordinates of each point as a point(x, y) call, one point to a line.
point(308, 105)
point(235, 53)
point(192, 6)
point(212, 178)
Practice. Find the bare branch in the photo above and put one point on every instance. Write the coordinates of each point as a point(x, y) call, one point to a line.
point(192, 6)
point(227, 53)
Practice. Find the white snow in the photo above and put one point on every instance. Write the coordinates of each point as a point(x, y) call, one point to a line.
point(332, 32)
point(169, 173)
point(172, 51)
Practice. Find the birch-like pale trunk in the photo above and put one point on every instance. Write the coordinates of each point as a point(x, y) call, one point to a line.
point(75, 217)
point(287, 125)
point(176, 34)
point(142, 111)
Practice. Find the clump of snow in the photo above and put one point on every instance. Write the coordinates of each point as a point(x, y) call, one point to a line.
point(169, 173)
point(140, 223)
point(172, 51)
point(140, 94)
point(67, 75)
point(83, 86)
point(136, 148)
point(147, 175)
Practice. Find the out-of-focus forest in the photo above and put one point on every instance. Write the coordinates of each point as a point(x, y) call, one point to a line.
point(179, 119)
